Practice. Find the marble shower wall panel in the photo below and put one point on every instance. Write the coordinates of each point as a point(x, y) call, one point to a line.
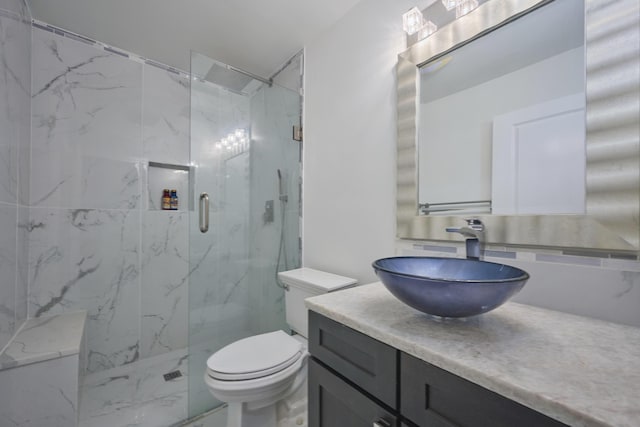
point(216, 302)
point(205, 123)
point(165, 238)
point(15, 63)
point(22, 264)
point(89, 259)
point(165, 116)
point(218, 282)
point(8, 268)
point(23, 121)
point(11, 86)
point(165, 278)
point(15, 104)
point(98, 118)
point(18, 7)
point(19, 54)
point(234, 237)
point(274, 111)
point(86, 126)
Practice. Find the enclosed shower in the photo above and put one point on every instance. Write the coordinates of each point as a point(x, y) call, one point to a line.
point(244, 226)
point(215, 259)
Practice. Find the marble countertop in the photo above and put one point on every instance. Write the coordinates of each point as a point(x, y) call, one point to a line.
point(45, 338)
point(578, 370)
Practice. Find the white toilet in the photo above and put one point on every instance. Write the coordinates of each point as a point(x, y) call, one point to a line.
point(263, 378)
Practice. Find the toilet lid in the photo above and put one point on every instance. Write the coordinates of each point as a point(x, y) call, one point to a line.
point(255, 357)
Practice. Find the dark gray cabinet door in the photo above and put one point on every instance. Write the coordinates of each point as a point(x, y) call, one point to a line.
point(335, 403)
point(432, 397)
point(364, 361)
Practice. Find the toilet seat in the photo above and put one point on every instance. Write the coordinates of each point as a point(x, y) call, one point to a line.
point(255, 357)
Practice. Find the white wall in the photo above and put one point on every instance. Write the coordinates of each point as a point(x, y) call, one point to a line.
point(350, 137)
point(349, 175)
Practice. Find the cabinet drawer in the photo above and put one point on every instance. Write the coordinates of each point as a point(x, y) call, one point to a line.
point(433, 397)
point(359, 358)
point(335, 403)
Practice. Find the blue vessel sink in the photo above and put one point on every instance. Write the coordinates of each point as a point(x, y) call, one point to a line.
point(449, 287)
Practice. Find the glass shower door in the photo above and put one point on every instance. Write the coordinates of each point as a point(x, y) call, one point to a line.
point(246, 174)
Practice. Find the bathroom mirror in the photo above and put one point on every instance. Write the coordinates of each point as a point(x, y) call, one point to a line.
point(607, 216)
point(514, 78)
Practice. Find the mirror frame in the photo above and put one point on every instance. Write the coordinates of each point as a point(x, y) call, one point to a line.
point(612, 220)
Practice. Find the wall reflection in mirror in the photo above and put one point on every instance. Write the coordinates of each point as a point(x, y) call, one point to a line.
point(502, 119)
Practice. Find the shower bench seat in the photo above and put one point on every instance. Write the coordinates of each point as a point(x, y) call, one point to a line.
point(41, 371)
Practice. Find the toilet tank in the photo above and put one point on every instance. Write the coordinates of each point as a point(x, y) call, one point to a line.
point(305, 283)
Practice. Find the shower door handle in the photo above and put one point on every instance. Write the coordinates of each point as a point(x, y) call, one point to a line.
point(203, 212)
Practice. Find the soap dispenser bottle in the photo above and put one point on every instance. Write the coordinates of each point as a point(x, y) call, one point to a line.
point(174, 200)
point(166, 200)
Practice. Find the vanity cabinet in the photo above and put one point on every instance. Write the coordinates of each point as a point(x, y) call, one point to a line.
point(334, 402)
point(358, 358)
point(434, 397)
point(355, 380)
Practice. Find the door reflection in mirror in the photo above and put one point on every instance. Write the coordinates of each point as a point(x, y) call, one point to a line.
point(501, 119)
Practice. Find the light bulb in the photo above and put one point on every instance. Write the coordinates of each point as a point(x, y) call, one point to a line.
point(427, 29)
point(465, 6)
point(450, 4)
point(412, 21)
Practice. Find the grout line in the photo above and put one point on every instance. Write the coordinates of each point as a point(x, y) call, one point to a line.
point(142, 186)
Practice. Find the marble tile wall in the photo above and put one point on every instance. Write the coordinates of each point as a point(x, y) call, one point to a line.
point(15, 69)
point(221, 254)
point(96, 239)
point(274, 111)
point(97, 119)
point(233, 293)
point(165, 234)
point(219, 258)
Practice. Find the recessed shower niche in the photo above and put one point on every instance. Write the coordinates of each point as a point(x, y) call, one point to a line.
point(166, 176)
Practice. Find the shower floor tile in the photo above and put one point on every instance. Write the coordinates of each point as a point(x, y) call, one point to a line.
point(136, 394)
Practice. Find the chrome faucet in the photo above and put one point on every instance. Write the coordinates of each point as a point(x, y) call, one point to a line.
point(474, 235)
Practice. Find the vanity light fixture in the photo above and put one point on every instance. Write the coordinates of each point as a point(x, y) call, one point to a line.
point(427, 29)
point(413, 22)
point(462, 6)
point(465, 6)
point(450, 4)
